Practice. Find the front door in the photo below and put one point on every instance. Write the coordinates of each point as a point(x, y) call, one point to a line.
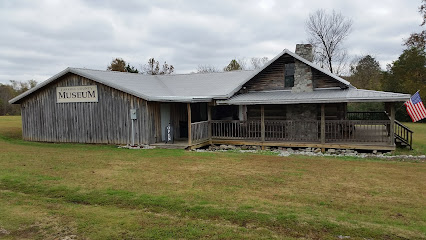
point(165, 119)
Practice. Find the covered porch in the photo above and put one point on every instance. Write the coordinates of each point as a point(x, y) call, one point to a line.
point(282, 118)
point(373, 133)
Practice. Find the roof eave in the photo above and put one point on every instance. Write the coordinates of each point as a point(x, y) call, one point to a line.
point(346, 100)
point(182, 99)
point(38, 86)
point(18, 98)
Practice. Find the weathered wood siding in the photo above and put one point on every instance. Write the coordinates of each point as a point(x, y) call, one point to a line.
point(178, 114)
point(107, 121)
point(321, 80)
point(155, 124)
point(272, 77)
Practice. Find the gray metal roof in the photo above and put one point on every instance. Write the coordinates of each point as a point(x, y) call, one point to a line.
point(318, 96)
point(205, 87)
point(176, 87)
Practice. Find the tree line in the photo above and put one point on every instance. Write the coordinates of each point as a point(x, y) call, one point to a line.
point(11, 90)
point(153, 66)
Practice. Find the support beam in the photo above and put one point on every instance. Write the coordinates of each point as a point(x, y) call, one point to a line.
point(323, 123)
point(392, 122)
point(188, 107)
point(262, 124)
point(323, 126)
point(209, 119)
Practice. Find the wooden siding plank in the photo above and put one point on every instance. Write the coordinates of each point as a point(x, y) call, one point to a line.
point(106, 121)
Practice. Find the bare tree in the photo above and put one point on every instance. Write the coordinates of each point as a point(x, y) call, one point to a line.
point(153, 68)
point(207, 69)
point(243, 63)
point(20, 86)
point(327, 33)
point(422, 10)
point(257, 63)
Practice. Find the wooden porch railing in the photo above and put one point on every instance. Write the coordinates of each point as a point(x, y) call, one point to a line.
point(354, 131)
point(362, 131)
point(289, 130)
point(235, 129)
point(360, 127)
point(375, 131)
point(403, 134)
point(199, 131)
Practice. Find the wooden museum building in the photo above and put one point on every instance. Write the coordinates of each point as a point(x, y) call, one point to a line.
point(288, 102)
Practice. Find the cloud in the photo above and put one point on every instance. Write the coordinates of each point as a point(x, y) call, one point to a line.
point(41, 38)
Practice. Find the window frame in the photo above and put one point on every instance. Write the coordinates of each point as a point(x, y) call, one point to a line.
point(289, 70)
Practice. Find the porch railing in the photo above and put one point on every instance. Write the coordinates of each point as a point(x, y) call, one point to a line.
point(403, 134)
point(362, 131)
point(289, 130)
point(235, 129)
point(352, 131)
point(200, 131)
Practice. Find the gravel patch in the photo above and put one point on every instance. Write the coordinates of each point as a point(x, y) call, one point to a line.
point(285, 152)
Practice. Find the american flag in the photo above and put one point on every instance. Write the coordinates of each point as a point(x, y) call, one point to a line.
point(415, 108)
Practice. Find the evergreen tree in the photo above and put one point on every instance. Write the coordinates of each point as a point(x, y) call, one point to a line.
point(366, 73)
point(407, 75)
point(232, 66)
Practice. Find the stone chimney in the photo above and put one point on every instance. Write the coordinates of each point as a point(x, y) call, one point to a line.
point(303, 72)
point(305, 51)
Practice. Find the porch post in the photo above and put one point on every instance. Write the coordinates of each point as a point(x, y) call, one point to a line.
point(209, 119)
point(323, 124)
point(188, 107)
point(262, 125)
point(392, 122)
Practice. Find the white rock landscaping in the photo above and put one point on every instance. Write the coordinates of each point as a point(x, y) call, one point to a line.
point(285, 152)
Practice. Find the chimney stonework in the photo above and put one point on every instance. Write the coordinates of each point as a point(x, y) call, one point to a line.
point(305, 51)
point(303, 72)
point(303, 83)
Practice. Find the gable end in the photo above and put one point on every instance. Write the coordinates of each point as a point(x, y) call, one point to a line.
point(270, 78)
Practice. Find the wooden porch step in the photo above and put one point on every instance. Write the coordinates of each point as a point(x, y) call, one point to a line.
point(175, 145)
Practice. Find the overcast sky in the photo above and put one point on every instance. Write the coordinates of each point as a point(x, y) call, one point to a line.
point(41, 38)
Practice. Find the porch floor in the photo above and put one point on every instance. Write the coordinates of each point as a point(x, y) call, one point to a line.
point(338, 145)
point(183, 144)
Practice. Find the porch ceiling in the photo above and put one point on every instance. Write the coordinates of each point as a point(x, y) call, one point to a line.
point(317, 96)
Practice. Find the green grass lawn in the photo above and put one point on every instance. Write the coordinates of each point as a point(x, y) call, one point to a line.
point(419, 139)
point(49, 191)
